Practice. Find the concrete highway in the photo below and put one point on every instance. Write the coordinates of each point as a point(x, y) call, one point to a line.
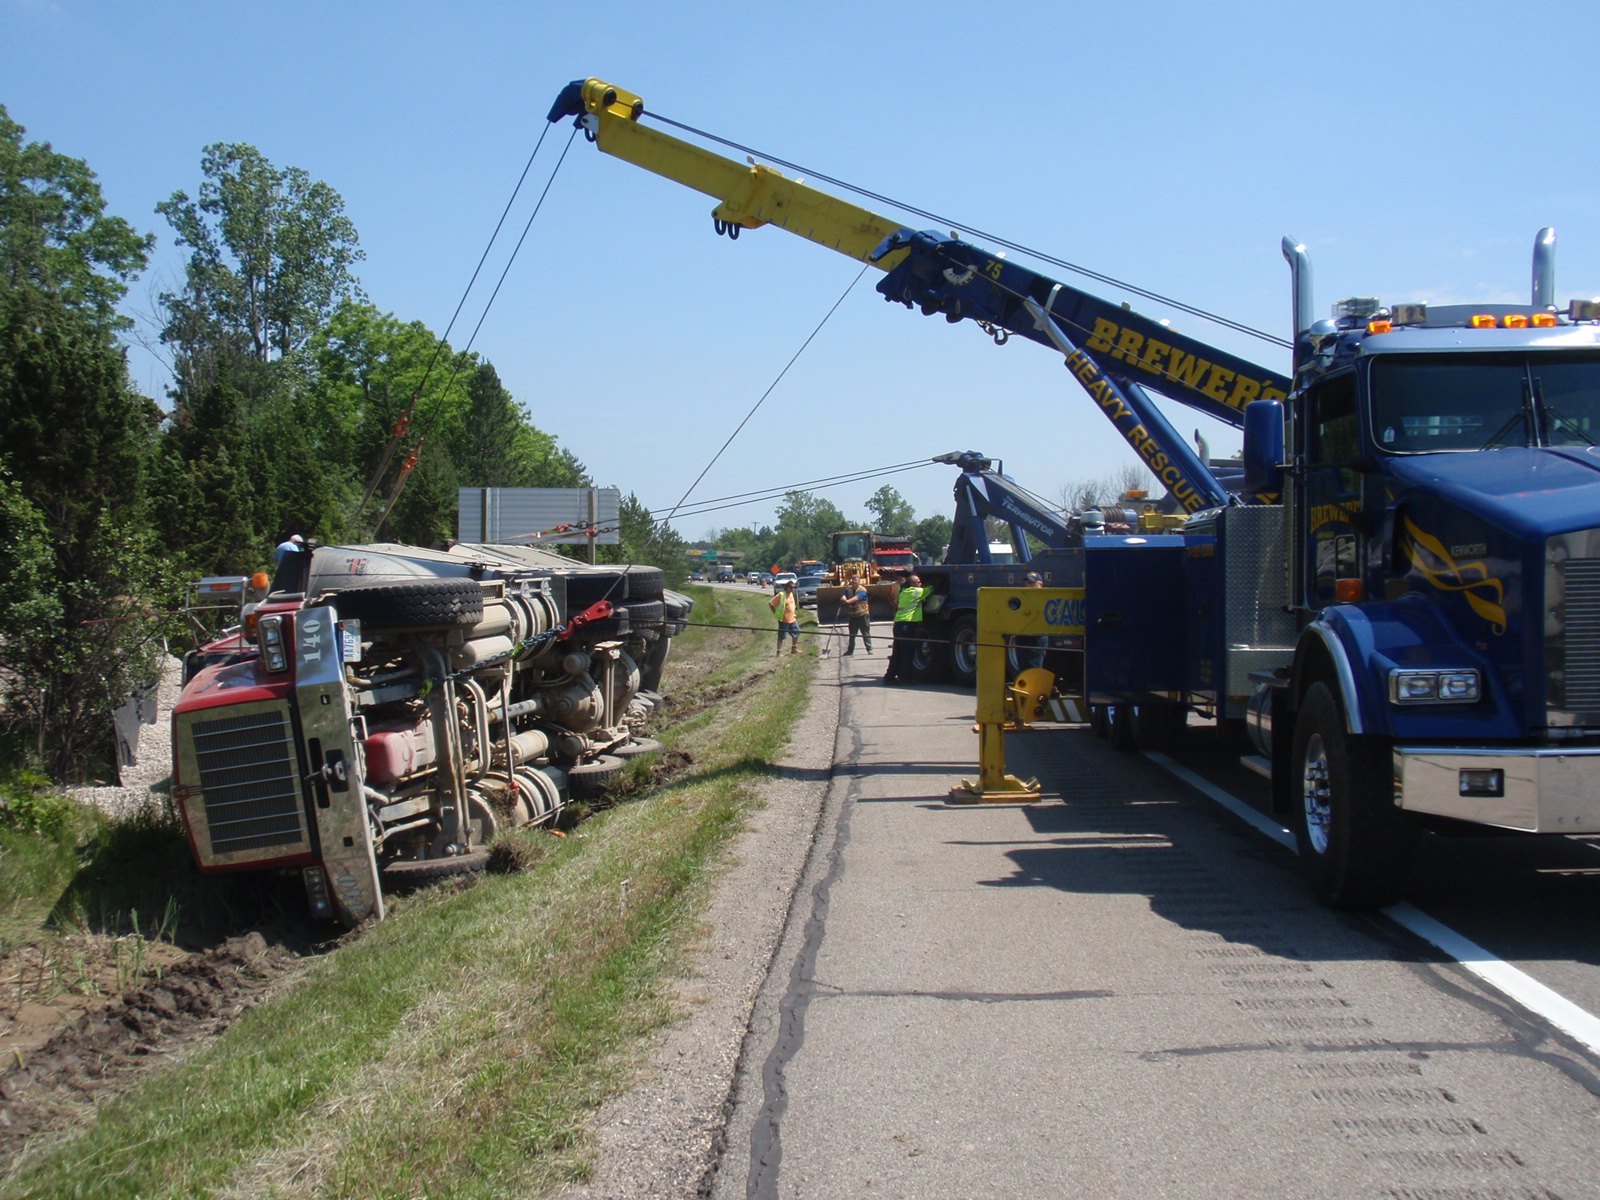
point(1126, 991)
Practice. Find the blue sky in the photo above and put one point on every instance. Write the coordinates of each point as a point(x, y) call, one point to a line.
point(1415, 149)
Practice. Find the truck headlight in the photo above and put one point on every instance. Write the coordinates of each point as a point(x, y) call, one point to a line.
point(274, 655)
point(1434, 687)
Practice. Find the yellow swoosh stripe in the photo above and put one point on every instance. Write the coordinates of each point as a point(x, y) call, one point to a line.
point(1428, 555)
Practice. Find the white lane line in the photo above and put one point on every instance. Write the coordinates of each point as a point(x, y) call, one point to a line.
point(1496, 972)
point(1233, 804)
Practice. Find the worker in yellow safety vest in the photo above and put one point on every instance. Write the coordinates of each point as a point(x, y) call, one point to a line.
point(907, 626)
point(787, 609)
point(859, 607)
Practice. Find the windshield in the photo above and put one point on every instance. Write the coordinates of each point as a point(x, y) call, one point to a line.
point(850, 547)
point(1428, 402)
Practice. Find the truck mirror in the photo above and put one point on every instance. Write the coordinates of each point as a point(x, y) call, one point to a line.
point(1263, 446)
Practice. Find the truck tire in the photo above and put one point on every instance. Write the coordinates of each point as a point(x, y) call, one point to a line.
point(928, 662)
point(1124, 729)
point(638, 747)
point(608, 629)
point(645, 612)
point(963, 650)
point(646, 583)
point(409, 872)
point(588, 780)
point(415, 604)
point(1159, 726)
point(586, 587)
point(1352, 837)
point(1100, 720)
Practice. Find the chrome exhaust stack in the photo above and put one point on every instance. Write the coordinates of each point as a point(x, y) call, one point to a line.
point(1300, 275)
point(1544, 270)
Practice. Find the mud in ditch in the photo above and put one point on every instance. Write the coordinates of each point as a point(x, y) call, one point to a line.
point(675, 709)
point(109, 1049)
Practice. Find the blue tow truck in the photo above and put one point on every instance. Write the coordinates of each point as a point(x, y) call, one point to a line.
point(947, 649)
point(1400, 601)
point(1399, 595)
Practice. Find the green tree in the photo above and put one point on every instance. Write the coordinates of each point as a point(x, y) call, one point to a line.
point(497, 445)
point(269, 262)
point(891, 512)
point(54, 235)
point(78, 439)
point(931, 536)
point(75, 439)
point(645, 540)
point(805, 523)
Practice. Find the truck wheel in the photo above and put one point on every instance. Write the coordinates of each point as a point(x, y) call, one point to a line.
point(1100, 720)
point(963, 655)
point(1124, 732)
point(586, 587)
point(588, 780)
point(1158, 726)
point(404, 872)
point(929, 662)
point(645, 612)
point(415, 604)
point(646, 583)
point(1352, 837)
point(637, 747)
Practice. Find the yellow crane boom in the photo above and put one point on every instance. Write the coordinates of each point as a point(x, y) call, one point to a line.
point(749, 195)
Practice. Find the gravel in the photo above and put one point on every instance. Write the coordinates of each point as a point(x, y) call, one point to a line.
point(663, 1138)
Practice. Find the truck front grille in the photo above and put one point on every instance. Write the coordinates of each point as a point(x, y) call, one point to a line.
point(1581, 665)
point(250, 781)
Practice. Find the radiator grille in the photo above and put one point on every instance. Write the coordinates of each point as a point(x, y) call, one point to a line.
point(249, 781)
point(1582, 604)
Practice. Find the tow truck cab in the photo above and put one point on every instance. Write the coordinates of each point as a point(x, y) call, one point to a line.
point(1443, 518)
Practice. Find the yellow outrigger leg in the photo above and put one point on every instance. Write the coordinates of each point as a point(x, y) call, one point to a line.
point(1003, 612)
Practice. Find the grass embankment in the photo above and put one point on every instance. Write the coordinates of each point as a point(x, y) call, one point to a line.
point(460, 1048)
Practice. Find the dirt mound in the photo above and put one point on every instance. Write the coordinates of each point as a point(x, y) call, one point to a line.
point(106, 1051)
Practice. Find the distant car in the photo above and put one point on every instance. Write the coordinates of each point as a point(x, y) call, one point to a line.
point(781, 578)
point(806, 590)
point(697, 577)
point(725, 577)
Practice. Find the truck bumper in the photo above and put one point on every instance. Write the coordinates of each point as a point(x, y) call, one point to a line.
point(1541, 790)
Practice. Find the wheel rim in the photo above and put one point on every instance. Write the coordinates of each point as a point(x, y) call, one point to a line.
point(922, 656)
point(1315, 794)
point(964, 650)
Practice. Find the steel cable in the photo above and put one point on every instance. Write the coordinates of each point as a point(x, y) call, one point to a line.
point(461, 356)
point(388, 454)
point(1192, 310)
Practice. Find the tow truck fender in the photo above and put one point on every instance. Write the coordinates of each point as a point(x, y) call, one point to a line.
point(1357, 647)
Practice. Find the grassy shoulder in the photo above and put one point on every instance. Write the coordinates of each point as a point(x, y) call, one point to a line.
point(461, 1047)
